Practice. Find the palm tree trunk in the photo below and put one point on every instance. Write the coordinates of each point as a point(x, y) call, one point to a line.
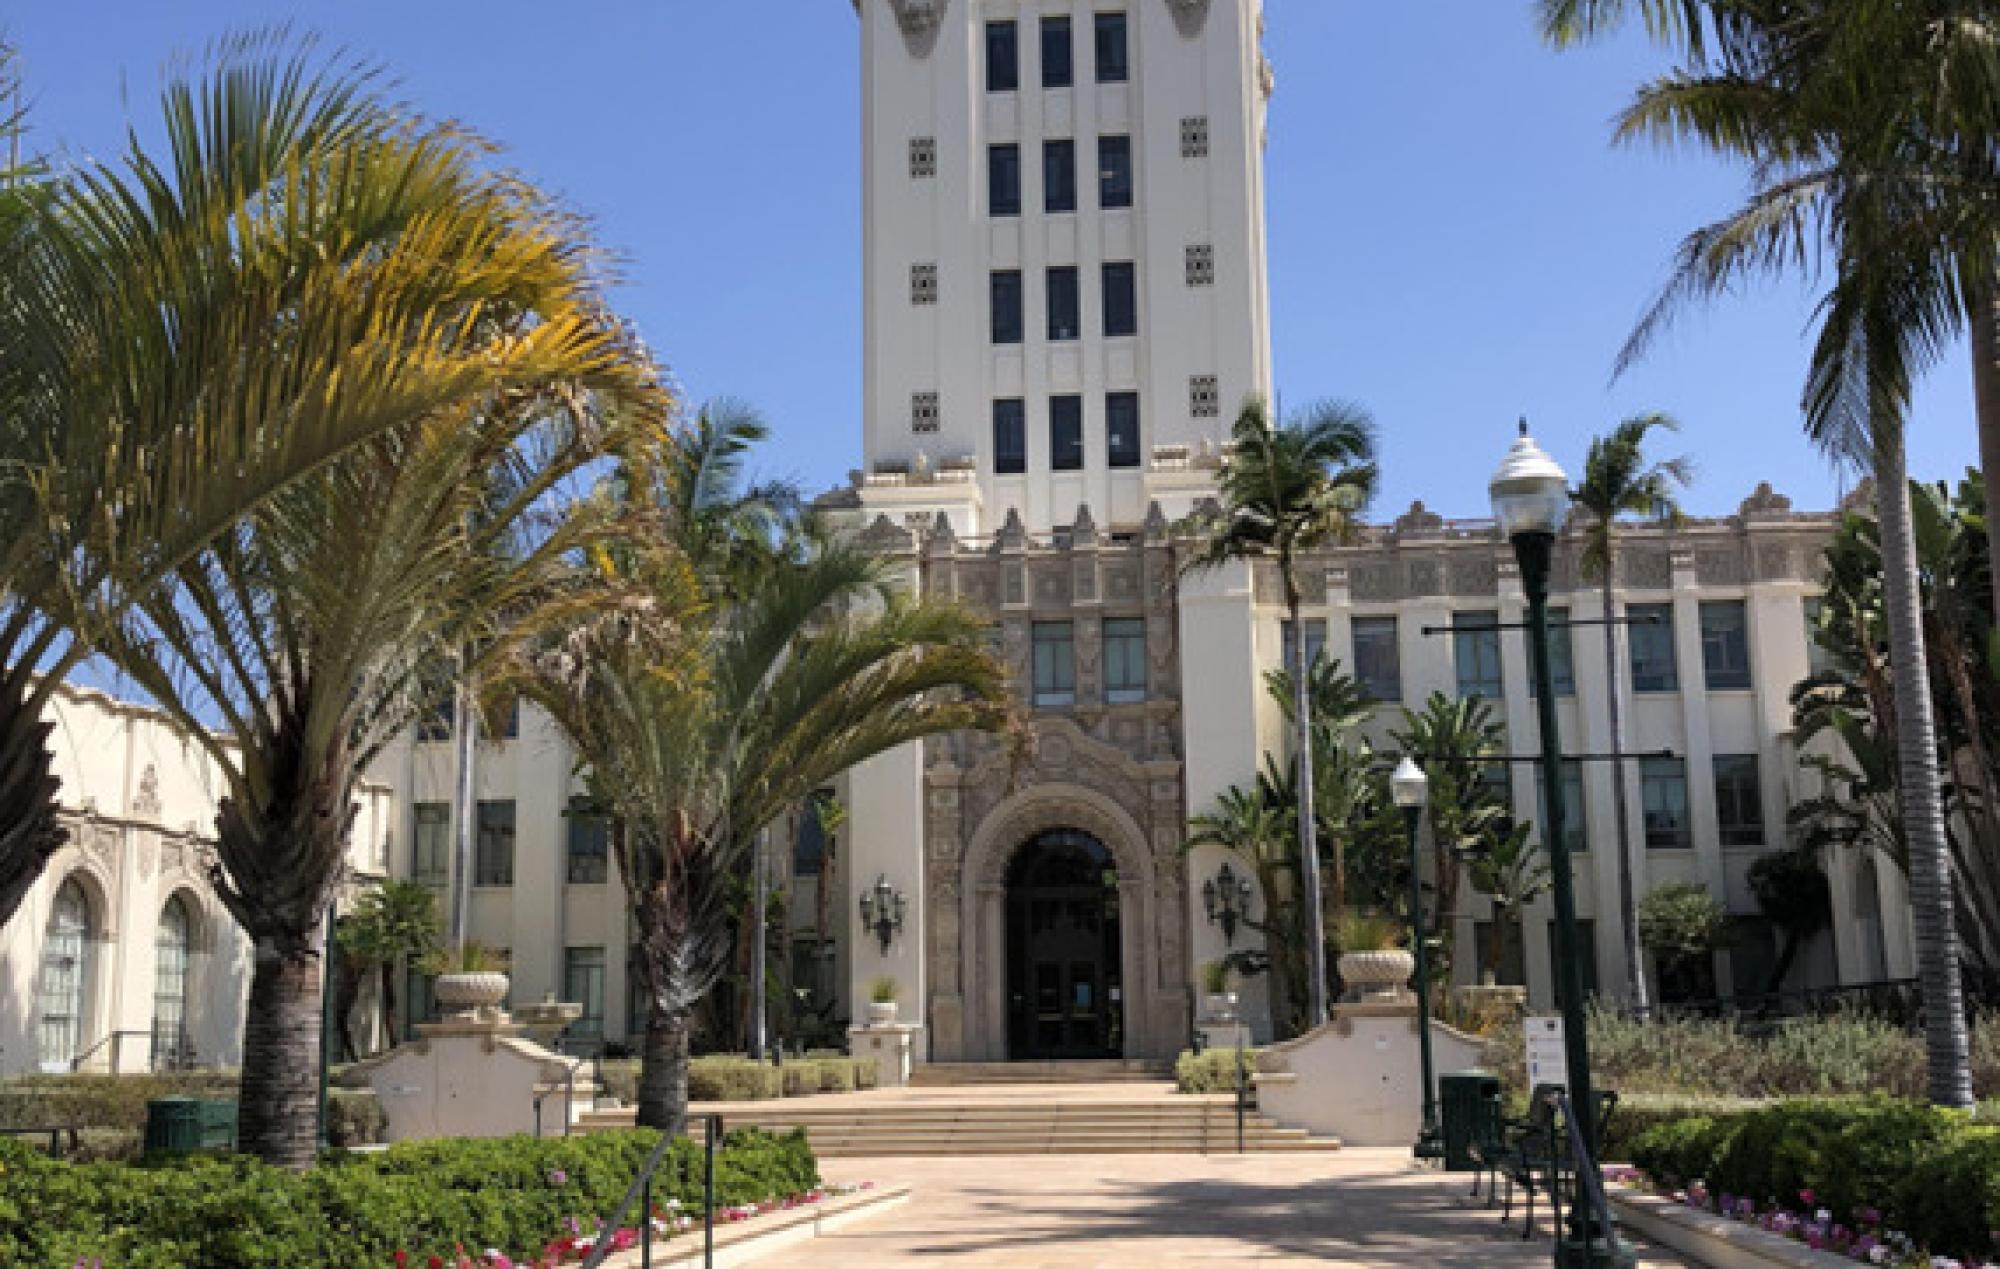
point(1308, 828)
point(389, 1032)
point(1986, 397)
point(663, 1072)
point(29, 831)
point(1628, 910)
point(278, 1116)
point(1946, 1042)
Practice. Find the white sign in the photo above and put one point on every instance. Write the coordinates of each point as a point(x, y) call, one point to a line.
point(1547, 1063)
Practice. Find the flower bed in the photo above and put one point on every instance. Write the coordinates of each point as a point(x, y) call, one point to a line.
point(446, 1201)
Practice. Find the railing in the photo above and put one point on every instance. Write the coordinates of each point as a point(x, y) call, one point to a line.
point(116, 1040)
point(1595, 1220)
point(641, 1190)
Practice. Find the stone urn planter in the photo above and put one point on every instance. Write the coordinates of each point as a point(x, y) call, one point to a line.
point(881, 1012)
point(545, 1021)
point(1377, 977)
point(1219, 1006)
point(467, 995)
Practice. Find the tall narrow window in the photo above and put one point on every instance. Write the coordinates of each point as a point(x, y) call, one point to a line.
point(1562, 656)
point(1007, 319)
point(1121, 300)
point(1121, 428)
point(493, 863)
point(1475, 638)
point(1124, 659)
point(1288, 641)
point(583, 984)
point(1010, 436)
point(1378, 660)
point(1651, 631)
point(1003, 180)
point(589, 845)
point(1058, 176)
point(1114, 62)
point(1003, 57)
point(1739, 800)
point(1058, 57)
point(1114, 172)
point(1066, 433)
point(1065, 316)
point(66, 972)
point(1055, 663)
point(172, 946)
point(1663, 798)
point(1819, 659)
point(1725, 645)
point(430, 843)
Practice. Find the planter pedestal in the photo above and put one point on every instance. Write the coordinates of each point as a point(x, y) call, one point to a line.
point(476, 1077)
point(892, 1045)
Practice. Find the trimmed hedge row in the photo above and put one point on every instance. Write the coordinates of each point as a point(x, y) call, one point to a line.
point(724, 1077)
point(424, 1198)
point(111, 1109)
point(1211, 1070)
point(1933, 1174)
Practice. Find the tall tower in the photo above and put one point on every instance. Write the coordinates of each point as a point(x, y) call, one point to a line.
point(1066, 296)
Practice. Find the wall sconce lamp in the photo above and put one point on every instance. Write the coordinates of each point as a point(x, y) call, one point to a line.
point(1226, 898)
point(882, 909)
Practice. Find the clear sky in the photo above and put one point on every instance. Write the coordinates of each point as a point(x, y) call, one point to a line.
point(1453, 240)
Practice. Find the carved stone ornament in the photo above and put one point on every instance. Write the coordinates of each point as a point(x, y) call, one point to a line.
point(146, 802)
point(1189, 15)
point(920, 20)
point(1765, 503)
point(1419, 522)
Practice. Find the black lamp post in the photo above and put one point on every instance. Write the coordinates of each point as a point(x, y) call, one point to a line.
point(1226, 899)
point(1410, 787)
point(882, 908)
point(1530, 498)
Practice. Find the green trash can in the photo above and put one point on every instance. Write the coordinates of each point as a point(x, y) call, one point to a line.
point(1465, 1099)
point(186, 1125)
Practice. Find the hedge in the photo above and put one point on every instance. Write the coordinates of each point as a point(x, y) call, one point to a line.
point(424, 1198)
point(724, 1077)
point(111, 1109)
point(1211, 1070)
point(1934, 1174)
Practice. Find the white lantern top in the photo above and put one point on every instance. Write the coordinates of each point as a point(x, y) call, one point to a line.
point(1530, 492)
point(1408, 784)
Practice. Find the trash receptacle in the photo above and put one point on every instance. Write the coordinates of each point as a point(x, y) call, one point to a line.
point(218, 1125)
point(185, 1125)
point(1464, 1099)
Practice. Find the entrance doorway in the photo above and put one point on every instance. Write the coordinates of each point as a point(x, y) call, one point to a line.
point(1064, 994)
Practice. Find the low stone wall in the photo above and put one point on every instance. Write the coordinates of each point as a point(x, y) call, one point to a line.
point(1359, 1076)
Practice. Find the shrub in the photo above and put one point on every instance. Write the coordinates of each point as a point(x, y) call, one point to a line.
point(102, 1101)
point(725, 1077)
point(1639, 1113)
point(425, 1198)
point(1211, 1070)
point(353, 1118)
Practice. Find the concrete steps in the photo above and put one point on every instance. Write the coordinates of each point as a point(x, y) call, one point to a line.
point(982, 1074)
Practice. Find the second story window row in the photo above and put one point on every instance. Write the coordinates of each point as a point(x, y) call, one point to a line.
point(1115, 183)
point(1064, 299)
point(1122, 431)
point(1111, 48)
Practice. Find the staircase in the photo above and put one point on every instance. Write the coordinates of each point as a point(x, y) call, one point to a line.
point(986, 1074)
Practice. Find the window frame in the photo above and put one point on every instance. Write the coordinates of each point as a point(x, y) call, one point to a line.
point(439, 871)
point(589, 1024)
point(1063, 293)
point(1010, 424)
point(578, 825)
point(1729, 771)
point(1066, 433)
point(1007, 313)
point(1643, 632)
point(1723, 642)
point(1370, 684)
point(1119, 280)
point(1656, 770)
point(1475, 635)
point(1112, 46)
point(1058, 49)
point(1124, 660)
point(1003, 177)
point(1059, 177)
point(1117, 188)
point(1117, 407)
point(1059, 687)
point(485, 852)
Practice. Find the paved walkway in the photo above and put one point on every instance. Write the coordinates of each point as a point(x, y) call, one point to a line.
point(1351, 1208)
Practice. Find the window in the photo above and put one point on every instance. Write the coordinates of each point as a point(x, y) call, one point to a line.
point(1575, 827)
point(1114, 172)
point(1739, 800)
point(1058, 176)
point(1725, 645)
point(1065, 321)
point(1055, 663)
point(66, 973)
point(1003, 180)
point(1651, 630)
point(1003, 57)
point(583, 984)
point(1288, 642)
point(1378, 662)
point(493, 859)
point(1201, 264)
point(1113, 54)
point(1121, 428)
point(172, 944)
point(430, 843)
point(1204, 397)
point(1124, 659)
point(589, 845)
point(1475, 639)
point(1058, 61)
point(1562, 656)
point(923, 284)
point(924, 412)
point(809, 842)
point(1818, 659)
point(1010, 436)
point(1586, 959)
point(923, 158)
point(1194, 137)
point(1006, 293)
point(1510, 967)
point(1066, 433)
point(1121, 300)
point(1663, 800)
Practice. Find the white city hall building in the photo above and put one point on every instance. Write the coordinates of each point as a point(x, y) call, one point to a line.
point(1066, 301)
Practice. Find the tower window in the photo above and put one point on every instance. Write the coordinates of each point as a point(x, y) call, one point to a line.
point(1114, 63)
point(1007, 322)
point(1114, 172)
point(923, 284)
point(1066, 433)
point(1201, 264)
point(1065, 323)
point(1194, 137)
point(1010, 436)
point(923, 158)
point(923, 411)
point(1204, 397)
point(1003, 180)
point(1058, 62)
point(1121, 300)
point(1059, 176)
point(1003, 57)
point(1121, 428)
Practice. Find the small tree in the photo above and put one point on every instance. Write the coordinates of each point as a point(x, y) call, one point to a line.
point(395, 923)
point(1793, 891)
point(1512, 872)
point(1682, 925)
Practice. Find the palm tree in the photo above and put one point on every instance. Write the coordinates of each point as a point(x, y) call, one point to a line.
point(189, 329)
point(1853, 177)
point(1283, 493)
point(1511, 872)
point(752, 659)
point(1345, 783)
point(1456, 740)
point(1258, 825)
point(1617, 482)
point(395, 922)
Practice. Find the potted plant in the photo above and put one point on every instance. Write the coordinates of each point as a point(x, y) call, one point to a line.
point(882, 1001)
point(1371, 963)
point(471, 978)
point(1218, 1000)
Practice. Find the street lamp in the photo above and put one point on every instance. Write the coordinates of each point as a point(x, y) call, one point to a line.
point(1410, 787)
point(1530, 499)
point(1226, 899)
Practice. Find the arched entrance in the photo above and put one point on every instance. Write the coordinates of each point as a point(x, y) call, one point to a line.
point(1065, 995)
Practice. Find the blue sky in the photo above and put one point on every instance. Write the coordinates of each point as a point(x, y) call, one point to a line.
point(1453, 240)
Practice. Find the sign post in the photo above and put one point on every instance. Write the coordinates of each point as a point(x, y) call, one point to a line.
point(1547, 1061)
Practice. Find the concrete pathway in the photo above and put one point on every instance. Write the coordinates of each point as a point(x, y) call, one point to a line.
point(1351, 1208)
